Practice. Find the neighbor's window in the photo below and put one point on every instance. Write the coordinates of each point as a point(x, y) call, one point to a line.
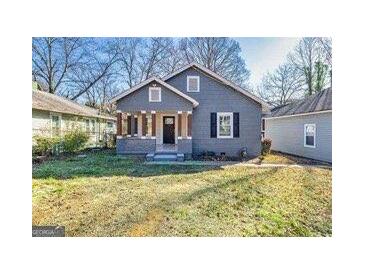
point(225, 125)
point(55, 125)
point(154, 94)
point(193, 84)
point(90, 126)
point(310, 135)
point(109, 126)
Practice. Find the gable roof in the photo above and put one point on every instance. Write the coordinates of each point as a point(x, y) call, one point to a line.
point(219, 78)
point(320, 101)
point(162, 83)
point(46, 101)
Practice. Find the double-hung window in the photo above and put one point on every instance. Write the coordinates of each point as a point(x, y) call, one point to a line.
point(310, 135)
point(225, 125)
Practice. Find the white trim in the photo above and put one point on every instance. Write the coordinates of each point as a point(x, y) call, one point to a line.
point(179, 112)
point(296, 115)
point(119, 111)
point(143, 112)
point(128, 114)
point(179, 137)
point(135, 135)
point(153, 112)
point(188, 86)
point(220, 78)
point(142, 84)
point(153, 137)
point(188, 137)
point(135, 116)
point(159, 94)
point(119, 137)
point(230, 114)
point(143, 137)
point(314, 135)
point(129, 135)
point(189, 112)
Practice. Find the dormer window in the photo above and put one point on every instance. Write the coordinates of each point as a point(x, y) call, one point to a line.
point(193, 84)
point(155, 94)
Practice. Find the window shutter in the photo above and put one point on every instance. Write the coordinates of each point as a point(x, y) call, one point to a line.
point(144, 124)
point(236, 124)
point(153, 124)
point(213, 125)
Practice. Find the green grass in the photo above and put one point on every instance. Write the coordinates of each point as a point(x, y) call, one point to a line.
point(107, 195)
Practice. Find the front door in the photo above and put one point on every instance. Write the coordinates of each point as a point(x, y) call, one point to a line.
point(169, 130)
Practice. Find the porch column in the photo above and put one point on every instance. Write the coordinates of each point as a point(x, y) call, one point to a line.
point(179, 125)
point(153, 114)
point(119, 124)
point(144, 124)
point(189, 124)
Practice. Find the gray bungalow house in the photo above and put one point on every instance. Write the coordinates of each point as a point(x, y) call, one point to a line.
point(303, 128)
point(192, 110)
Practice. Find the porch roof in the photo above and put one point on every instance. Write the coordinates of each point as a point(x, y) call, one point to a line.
point(162, 83)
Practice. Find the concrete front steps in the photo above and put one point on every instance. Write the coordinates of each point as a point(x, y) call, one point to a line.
point(165, 156)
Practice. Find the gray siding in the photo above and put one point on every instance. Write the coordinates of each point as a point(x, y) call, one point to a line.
point(287, 135)
point(135, 146)
point(139, 100)
point(184, 146)
point(217, 97)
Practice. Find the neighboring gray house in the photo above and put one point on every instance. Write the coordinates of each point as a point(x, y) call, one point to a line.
point(303, 128)
point(192, 110)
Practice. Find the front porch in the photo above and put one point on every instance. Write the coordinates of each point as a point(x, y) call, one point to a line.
point(157, 132)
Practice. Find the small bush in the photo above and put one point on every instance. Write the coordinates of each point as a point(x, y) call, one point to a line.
point(74, 140)
point(265, 146)
point(43, 145)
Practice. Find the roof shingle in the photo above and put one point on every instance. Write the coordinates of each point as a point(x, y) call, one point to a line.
point(46, 101)
point(319, 101)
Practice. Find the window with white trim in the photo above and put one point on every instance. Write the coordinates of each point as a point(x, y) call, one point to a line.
point(55, 124)
point(90, 126)
point(155, 94)
point(193, 84)
point(310, 135)
point(225, 125)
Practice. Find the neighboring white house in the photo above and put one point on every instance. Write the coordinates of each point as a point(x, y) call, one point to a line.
point(54, 115)
point(302, 128)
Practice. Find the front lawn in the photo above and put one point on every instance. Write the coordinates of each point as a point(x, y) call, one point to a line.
point(107, 195)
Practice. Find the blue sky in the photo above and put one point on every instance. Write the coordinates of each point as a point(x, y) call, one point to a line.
point(265, 54)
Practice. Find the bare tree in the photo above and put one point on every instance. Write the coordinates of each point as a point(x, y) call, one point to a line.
point(173, 61)
point(326, 45)
point(154, 52)
point(101, 58)
point(308, 57)
point(53, 58)
point(98, 95)
point(221, 55)
point(282, 86)
point(129, 53)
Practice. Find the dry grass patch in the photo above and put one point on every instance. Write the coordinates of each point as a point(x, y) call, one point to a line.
point(106, 195)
